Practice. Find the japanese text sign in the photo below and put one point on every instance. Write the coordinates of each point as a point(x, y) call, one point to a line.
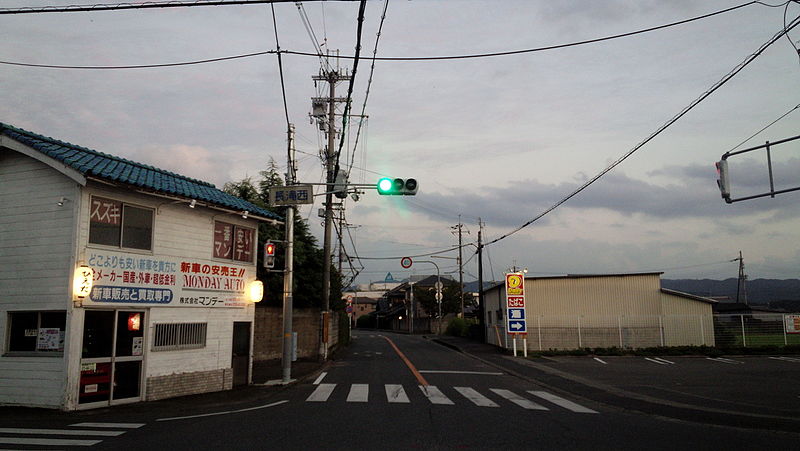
point(281, 196)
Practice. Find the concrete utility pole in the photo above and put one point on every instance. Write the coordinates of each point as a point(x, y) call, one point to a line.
point(459, 226)
point(741, 288)
point(331, 77)
point(481, 314)
point(288, 298)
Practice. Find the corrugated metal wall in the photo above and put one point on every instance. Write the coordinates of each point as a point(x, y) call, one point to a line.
point(594, 296)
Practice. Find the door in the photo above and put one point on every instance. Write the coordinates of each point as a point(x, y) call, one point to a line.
point(112, 357)
point(240, 360)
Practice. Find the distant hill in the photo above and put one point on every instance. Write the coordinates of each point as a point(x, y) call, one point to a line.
point(759, 291)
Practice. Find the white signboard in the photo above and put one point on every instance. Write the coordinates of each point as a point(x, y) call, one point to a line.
point(792, 324)
point(49, 339)
point(281, 196)
point(133, 279)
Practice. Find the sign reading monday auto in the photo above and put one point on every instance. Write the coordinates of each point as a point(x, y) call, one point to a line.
point(515, 303)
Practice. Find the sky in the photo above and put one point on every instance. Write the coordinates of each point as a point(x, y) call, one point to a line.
point(497, 140)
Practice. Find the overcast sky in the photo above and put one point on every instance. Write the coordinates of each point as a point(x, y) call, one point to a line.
point(501, 138)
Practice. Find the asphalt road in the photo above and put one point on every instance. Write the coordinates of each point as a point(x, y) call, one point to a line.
point(392, 391)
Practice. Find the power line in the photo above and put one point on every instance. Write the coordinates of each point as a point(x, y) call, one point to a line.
point(280, 70)
point(369, 85)
point(768, 126)
point(749, 59)
point(376, 58)
point(146, 5)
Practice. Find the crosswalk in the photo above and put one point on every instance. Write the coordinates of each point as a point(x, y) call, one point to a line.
point(396, 394)
point(79, 434)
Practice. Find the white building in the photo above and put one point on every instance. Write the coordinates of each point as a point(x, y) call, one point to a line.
point(170, 260)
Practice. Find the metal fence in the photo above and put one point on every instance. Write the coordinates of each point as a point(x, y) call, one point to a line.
point(575, 332)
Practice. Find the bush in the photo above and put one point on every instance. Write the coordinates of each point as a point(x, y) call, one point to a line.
point(457, 327)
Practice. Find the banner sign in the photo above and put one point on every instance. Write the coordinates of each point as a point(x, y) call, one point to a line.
point(132, 279)
point(515, 303)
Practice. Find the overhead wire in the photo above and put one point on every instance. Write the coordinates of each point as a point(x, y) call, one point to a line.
point(738, 68)
point(766, 127)
point(369, 85)
point(376, 58)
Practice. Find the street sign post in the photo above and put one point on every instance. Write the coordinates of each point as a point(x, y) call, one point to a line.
point(406, 262)
point(284, 196)
point(515, 309)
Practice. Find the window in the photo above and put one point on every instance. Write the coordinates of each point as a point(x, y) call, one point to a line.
point(233, 242)
point(37, 332)
point(168, 337)
point(113, 223)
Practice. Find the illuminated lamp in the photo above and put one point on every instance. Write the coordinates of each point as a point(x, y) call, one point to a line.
point(82, 281)
point(134, 321)
point(256, 291)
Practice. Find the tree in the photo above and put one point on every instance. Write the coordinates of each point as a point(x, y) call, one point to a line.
point(451, 299)
point(308, 256)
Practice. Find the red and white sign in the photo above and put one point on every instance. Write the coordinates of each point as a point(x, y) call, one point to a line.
point(406, 262)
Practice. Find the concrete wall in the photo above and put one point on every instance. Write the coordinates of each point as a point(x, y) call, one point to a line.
point(268, 337)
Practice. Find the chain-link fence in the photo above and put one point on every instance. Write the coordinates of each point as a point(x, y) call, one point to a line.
point(575, 332)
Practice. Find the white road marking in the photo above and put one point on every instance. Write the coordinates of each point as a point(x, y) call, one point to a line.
point(47, 441)
point(518, 400)
point(664, 360)
point(358, 393)
point(322, 393)
point(786, 359)
point(723, 360)
point(109, 425)
point(396, 394)
point(477, 398)
point(319, 379)
point(559, 401)
point(481, 373)
point(61, 432)
point(654, 361)
point(222, 413)
point(601, 361)
point(434, 395)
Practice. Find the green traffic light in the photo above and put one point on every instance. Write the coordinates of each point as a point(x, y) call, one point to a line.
point(385, 185)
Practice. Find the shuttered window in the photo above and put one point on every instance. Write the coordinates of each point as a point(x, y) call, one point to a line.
point(173, 336)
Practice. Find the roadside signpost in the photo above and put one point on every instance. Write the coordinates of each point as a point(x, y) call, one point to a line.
point(515, 310)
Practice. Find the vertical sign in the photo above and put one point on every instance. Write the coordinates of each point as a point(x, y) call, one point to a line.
point(515, 303)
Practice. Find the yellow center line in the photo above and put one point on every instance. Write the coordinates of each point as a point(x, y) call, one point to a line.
point(410, 365)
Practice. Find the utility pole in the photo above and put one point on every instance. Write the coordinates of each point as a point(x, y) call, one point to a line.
point(288, 299)
point(331, 77)
point(481, 314)
point(460, 263)
point(741, 288)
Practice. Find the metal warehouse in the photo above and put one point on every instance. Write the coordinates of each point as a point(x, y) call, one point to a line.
point(610, 310)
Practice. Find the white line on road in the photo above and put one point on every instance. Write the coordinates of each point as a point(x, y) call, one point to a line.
point(322, 393)
point(434, 395)
point(319, 379)
point(559, 401)
point(477, 398)
point(518, 400)
point(482, 373)
point(109, 425)
point(665, 361)
point(396, 393)
point(358, 393)
point(724, 360)
point(601, 361)
point(785, 359)
point(46, 441)
point(223, 413)
point(60, 432)
point(654, 361)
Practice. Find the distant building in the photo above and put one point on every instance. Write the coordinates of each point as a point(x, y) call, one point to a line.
point(121, 282)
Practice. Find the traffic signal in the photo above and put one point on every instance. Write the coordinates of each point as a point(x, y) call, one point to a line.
point(397, 187)
point(269, 254)
point(722, 181)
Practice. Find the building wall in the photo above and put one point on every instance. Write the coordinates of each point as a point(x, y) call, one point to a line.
point(594, 296)
point(687, 322)
point(268, 338)
point(36, 260)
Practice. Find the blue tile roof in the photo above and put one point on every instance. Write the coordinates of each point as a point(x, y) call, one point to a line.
point(109, 167)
